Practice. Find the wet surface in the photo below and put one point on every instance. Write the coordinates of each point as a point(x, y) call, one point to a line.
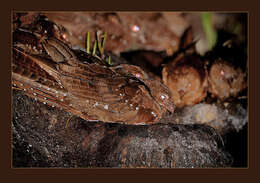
point(50, 137)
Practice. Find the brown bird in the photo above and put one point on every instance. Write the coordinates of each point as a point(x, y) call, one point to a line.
point(186, 78)
point(225, 80)
point(92, 91)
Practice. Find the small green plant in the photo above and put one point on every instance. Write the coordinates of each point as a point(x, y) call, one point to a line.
point(88, 42)
point(209, 30)
point(98, 43)
point(101, 42)
point(109, 60)
point(94, 48)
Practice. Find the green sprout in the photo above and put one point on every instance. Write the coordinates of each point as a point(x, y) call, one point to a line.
point(109, 60)
point(211, 33)
point(88, 42)
point(94, 48)
point(236, 29)
point(99, 42)
point(103, 41)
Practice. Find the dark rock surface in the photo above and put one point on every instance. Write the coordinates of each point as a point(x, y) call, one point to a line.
point(48, 137)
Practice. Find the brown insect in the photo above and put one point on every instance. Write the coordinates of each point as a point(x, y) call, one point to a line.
point(91, 90)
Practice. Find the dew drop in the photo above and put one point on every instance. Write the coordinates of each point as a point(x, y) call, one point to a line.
point(138, 75)
point(153, 114)
point(136, 108)
point(64, 36)
point(106, 107)
point(96, 103)
point(135, 28)
point(164, 97)
point(222, 72)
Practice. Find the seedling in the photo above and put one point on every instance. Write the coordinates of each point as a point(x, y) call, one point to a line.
point(100, 41)
point(88, 42)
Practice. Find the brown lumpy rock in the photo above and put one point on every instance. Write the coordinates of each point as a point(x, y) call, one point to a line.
point(186, 78)
point(225, 80)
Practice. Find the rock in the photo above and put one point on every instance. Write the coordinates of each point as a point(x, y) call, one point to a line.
point(49, 137)
point(223, 119)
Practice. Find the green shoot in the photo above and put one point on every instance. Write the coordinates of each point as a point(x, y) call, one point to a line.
point(109, 60)
point(103, 42)
point(101, 39)
point(88, 42)
point(211, 34)
point(94, 48)
point(99, 43)
point(236, 29)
